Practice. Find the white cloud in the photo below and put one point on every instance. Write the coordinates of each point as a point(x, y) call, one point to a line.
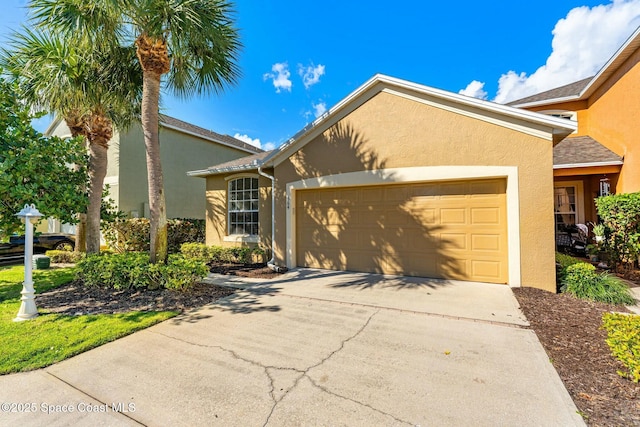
point(251, 141)
point(310, 74)
point(280, 76)
point(474, 89)
point(582, 42)
point(267, 146)
point(319, 108)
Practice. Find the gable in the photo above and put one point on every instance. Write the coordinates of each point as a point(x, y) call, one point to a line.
point(394, 131)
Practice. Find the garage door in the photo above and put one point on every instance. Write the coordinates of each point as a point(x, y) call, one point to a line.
point(454, 230)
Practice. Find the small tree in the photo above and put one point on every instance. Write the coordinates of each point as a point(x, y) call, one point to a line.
point(36, 169)
point(620, 214)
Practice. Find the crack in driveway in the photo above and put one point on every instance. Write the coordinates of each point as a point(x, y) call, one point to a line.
point(302, 372)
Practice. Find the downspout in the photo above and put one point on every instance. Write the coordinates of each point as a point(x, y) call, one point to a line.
point(270, 263)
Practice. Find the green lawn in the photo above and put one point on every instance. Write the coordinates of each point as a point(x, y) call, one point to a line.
point(50, 338)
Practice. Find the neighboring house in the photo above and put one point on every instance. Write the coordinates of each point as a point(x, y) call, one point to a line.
point(603, 155)
point(183, 147)
point(400, 178)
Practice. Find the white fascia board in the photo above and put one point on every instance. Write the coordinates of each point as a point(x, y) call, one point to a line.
point(589, 165)
point(54, 124)
point(548, 101)
point(217, 141)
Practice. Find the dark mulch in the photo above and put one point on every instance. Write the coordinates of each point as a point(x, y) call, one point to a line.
point(260, 271)
point(75, 298)
point(570, 332)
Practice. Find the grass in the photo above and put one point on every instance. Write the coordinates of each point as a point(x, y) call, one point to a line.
point(50, 338)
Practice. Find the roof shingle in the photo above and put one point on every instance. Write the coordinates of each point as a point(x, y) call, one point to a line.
point(582, 150)
point(225, 139)
point(572, 89)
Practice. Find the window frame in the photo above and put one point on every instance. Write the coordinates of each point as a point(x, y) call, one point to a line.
point(578, 211)
point(231, 226)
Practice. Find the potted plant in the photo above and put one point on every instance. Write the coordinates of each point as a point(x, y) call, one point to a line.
point(599, 232)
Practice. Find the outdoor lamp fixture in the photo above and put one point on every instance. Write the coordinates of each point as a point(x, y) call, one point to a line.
point(29, 215)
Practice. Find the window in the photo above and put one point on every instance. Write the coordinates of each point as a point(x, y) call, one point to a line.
point(568, 205)
point(243, 206)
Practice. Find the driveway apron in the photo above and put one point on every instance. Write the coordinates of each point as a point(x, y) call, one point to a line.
point(313, 347)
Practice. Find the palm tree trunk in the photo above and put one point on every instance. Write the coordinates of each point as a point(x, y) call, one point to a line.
point(76, 124)
point(100, 131)
point(150, 127)
point(97, 172)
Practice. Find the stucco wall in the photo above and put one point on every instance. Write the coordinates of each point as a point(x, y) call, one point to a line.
point(610, 116)
point(613, 120)
point(390, 131)
point(216, 199)
point(180, 153)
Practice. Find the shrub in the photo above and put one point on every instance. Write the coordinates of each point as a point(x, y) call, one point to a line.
point(623, 333)
point(204, 253)
point(620, 214)
point(67, 257)
point(117, 271)
point(582, 281)
point(179, 274)
point(133, 270)
point(132, 235)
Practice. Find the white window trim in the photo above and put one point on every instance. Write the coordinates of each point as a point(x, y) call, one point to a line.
point(241, 238)
point(579, 185)
point(417, 174)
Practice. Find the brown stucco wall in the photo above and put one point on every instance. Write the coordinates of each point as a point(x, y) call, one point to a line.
point(216, 197)
point(390, 131)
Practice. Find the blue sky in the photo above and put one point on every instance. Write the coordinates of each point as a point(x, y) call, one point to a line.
point(300, 58)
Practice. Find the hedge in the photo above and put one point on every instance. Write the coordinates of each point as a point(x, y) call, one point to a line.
point(132, 235)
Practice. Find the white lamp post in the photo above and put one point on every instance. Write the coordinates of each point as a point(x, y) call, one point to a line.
point(28, 310)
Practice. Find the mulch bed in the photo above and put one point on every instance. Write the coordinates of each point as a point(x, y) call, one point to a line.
point(569, 330)
point(76, 299)
point(258, 271)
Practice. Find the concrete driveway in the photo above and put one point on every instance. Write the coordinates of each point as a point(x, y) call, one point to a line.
point(312, 348)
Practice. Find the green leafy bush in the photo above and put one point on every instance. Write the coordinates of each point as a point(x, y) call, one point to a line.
point(620, 214)
point(204, 253)
point(623, 333)
point(133, 270)
point(582, 281)
point(67, 257)
point(117, 271)
point(179, 274)
point(132, 235)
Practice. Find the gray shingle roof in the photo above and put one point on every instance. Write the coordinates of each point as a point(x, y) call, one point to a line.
point(243, 163)
point(225, 139)
point(582, 150)
point(572, 89)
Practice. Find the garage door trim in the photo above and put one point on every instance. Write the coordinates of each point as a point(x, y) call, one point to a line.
point(413, 175)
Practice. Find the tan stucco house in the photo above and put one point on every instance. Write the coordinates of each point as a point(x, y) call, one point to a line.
point(183, 146)
point(401, 178)
point(603, 155)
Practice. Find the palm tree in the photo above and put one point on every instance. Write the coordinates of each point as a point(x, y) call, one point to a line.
point(90, 86)
point(193, 42)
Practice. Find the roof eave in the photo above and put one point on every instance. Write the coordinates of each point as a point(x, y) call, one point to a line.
point(217, 141)
point(218, 171)
point(548, 101)
point(589, 165)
